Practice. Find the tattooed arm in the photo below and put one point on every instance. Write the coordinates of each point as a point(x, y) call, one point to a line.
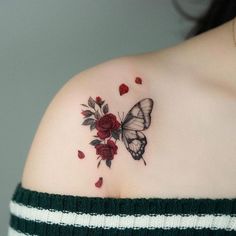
point(96, 118)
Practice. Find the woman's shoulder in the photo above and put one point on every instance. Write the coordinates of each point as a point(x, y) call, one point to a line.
point(61, 158)
point(159, 123)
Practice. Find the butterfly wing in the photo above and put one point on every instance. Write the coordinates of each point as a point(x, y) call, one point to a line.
point(136, 120)
point(135, 142)
point(139, 116)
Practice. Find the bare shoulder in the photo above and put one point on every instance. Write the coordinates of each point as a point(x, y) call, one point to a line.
point(61, 158)
point(149, 126)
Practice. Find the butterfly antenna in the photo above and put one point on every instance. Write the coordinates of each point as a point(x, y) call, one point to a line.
point(123, 116)
point(144, 162)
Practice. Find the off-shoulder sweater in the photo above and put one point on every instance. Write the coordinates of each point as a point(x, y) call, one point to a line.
point(39, 213)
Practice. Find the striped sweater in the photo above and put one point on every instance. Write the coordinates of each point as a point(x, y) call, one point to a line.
point(38, 213)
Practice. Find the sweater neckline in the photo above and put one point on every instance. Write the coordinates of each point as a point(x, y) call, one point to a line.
point(108, 205)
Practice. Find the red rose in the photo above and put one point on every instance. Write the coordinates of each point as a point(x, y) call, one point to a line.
point(106, 151)
point(106, 124)
point(98, 100)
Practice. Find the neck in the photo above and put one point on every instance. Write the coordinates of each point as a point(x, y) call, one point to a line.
point(210, 55)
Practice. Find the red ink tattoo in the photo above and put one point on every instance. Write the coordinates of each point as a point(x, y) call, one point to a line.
point(81, 154)
point(106, 151)
point(99, 183)
point(123, 89)
point(99, 101)
point(138, 80)
point(109, 129)
point(106, 125)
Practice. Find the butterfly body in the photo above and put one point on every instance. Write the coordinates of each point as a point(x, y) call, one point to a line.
point(137, 120)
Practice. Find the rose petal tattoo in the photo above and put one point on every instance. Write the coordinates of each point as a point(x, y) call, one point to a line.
point(138, 80)
point(99, 183)
point(123, 88)
point(109, 130)
point(81, 154)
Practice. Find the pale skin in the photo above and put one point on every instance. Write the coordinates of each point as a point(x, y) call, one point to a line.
point(191, 141)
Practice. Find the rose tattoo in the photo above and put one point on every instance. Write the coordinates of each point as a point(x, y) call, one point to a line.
point(109, 129)
point(97, 116)
point(106, 125)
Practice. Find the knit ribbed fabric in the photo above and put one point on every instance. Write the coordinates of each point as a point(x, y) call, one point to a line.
point(38, 213)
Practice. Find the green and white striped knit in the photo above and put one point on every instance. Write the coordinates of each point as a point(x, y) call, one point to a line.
point(38, 213)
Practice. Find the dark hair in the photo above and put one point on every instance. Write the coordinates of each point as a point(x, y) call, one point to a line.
point(218, 12)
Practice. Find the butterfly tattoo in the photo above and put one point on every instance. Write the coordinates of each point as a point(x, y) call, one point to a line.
point(128, 130)
point(137, 120)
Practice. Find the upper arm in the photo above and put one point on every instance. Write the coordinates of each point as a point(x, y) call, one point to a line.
point(53, 164)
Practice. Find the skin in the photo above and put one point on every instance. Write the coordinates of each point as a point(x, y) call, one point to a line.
point(191, 141)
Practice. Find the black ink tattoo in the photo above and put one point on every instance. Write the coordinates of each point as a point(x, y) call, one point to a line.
point(109, 129)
